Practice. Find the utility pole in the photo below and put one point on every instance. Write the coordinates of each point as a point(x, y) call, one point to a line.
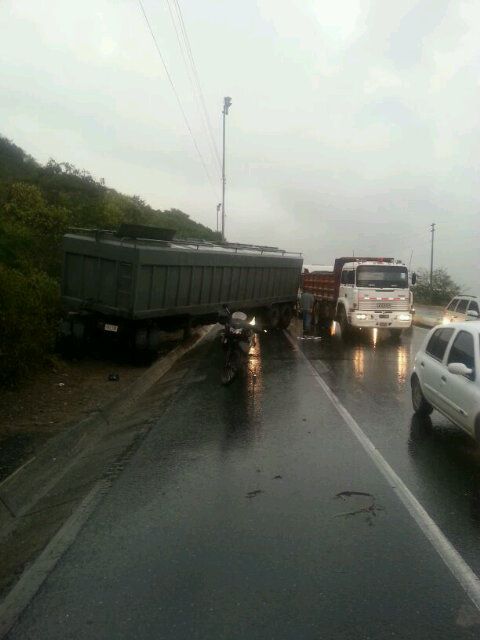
point(432, 230)
point(226, 106)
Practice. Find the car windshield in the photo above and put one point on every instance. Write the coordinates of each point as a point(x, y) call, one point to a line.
point(385, 276)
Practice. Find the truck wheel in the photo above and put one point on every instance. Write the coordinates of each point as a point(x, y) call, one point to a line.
point(477, 429)
point(322, 320)
point(343, 322)
point(286, 314)
point(273, 317)
point(421, 406)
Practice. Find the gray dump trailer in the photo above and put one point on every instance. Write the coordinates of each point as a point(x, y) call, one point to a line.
point(131, 284)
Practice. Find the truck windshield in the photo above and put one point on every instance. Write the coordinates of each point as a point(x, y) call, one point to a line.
point(378, 277)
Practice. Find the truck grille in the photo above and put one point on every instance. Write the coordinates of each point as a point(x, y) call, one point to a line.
point(383, 304)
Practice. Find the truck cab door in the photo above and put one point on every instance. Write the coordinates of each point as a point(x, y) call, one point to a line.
point(346, 292)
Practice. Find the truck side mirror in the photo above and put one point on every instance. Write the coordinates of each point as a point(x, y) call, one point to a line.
point(414, 278)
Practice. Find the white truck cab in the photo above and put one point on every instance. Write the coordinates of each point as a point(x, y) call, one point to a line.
point(375, 294)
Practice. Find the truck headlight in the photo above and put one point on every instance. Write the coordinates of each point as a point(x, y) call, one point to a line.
point(361, 316)
point(404, 317)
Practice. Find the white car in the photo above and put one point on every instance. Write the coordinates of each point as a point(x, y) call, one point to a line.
point(460, 309)
point(446, 375)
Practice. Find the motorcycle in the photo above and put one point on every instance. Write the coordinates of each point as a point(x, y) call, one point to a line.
point(237, 339)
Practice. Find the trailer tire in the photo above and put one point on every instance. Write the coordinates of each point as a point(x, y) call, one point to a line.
point(141, 339)
point(286, 315)
point(273, 317)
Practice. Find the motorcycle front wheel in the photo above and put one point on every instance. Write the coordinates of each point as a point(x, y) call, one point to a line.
point(231, 367)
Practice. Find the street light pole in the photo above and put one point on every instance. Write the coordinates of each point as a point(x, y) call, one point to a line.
point(226, 105)
point(219, 206)
point(432, 229)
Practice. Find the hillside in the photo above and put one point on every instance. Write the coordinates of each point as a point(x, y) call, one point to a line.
point(88, 202)
point(37, 204)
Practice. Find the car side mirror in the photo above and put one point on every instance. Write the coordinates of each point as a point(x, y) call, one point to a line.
point(459, 369)
point(471, 313)
point(414, 278)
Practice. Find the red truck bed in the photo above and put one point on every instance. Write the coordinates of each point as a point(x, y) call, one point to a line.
point(325, 284)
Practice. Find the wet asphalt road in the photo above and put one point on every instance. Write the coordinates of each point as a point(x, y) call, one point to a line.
point(225, 524)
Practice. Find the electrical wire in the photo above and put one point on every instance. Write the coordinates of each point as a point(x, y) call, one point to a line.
point(196, 76)
point(197, 94)
point(182, 110)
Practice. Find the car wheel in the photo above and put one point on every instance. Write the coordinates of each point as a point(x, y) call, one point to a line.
point(477, 429)
point(420, 405)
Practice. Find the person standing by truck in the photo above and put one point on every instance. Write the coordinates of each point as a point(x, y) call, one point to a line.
point(307, 300)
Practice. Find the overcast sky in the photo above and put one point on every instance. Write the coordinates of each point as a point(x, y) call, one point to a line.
point(354, 125)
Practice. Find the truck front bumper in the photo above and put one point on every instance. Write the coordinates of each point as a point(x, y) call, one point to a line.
point(393, 320)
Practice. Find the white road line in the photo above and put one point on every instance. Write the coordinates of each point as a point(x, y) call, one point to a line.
point(35, 575)
point(467, 578)
point(14, 473)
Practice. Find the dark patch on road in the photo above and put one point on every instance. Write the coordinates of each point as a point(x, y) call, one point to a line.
point(370, 509)
point(348, 494)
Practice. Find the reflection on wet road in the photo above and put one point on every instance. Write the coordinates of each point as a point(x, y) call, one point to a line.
point(252, 512)
point(437, 461)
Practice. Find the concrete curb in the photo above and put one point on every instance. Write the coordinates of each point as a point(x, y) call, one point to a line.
point(427, 316)
point(423, 321)
point(27, 485)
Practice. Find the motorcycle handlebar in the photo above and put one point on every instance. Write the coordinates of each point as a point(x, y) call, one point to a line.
point(258, 329)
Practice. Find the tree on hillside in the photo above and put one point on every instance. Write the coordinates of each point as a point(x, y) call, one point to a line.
point(32, 229)
point(15, 164)
point(443, 290)
point(37, 204)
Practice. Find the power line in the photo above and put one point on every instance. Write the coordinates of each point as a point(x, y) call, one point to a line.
point(175, 92)
point(183, 28)
point(183, 45)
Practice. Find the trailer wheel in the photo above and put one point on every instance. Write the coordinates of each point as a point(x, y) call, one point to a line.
point(141, 339)
point(273, 317)
point(286, 314)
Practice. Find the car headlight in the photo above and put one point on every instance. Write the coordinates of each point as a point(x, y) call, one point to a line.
point(404, 317)
point(445, 320)
point(361, 316)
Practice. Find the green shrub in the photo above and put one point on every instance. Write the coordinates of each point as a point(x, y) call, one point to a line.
point(29, 311)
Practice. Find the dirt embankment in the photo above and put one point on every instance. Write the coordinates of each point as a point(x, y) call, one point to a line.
point(58, 397)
